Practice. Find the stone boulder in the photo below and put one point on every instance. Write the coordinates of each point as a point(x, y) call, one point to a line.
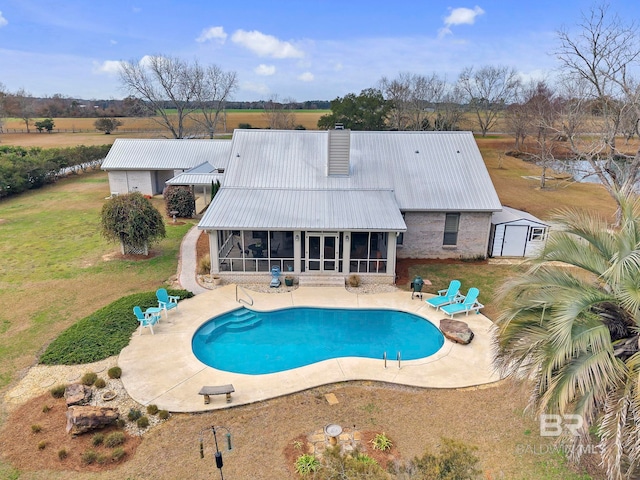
point(81, 419)
point(456, 331)
point(77, 394)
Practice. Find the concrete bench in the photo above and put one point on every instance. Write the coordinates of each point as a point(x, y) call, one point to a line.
point(216, 390)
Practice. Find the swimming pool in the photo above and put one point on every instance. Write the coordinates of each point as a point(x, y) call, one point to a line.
point(255, 343)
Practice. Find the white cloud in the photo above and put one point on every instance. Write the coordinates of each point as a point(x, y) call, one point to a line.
point(266, 45)
point(145, 61)
point(113, 42)
point(460, 16)
point(259, 88)
point(306, 77)
point(110, 67)
point(212, 33)
point(3, 21)
point(265, 70)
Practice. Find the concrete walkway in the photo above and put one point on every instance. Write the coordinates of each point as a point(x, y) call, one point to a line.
point(187, 263)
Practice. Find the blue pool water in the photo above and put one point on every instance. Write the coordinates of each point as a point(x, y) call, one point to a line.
point(245, 341)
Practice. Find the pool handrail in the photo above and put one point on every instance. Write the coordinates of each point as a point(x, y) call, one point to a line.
point(242, 300)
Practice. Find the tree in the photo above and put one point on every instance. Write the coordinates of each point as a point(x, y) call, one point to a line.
point(46, 124)
point(107, 125)
point(367, 111)
point(21, 105)
point(214, 87)
point(280, 115)
point(488, 91)
point(574, 331)
point(3, 96)
point(601, 58)
point(133, 221)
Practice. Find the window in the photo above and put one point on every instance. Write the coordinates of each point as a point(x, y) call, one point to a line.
point(537, 234)
point(451, 222)
point(400, 238)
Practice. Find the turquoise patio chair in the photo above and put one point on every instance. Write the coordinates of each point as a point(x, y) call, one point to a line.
point(165, 301)
point(148, 318)
point(467, 305)
point(446, 297)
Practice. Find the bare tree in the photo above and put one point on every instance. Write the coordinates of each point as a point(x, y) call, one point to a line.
point(488, 91)
point(280, 115)
point(214, 88)
point(21, 105)
point(3, 96)
point(400, 92)
point(602, 56)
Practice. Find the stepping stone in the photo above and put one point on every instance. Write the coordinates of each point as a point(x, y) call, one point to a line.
point(331, 399)
point(456, 331)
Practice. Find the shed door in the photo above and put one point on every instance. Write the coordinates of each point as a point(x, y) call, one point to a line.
point(514, 242)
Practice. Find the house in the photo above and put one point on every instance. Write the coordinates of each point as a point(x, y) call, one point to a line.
point(341, 202)
point(515, 233)
point(145, 166)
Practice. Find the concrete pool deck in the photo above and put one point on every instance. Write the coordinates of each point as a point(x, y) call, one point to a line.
point(161, 369)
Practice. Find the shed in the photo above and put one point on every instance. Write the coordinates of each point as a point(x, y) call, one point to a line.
point(515, 233)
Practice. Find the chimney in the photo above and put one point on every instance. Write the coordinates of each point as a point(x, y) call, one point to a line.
point(339, 148)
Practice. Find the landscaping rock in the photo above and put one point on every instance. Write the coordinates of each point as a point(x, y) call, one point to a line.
point(81, 419)
point(77, 394)
point(456, 331)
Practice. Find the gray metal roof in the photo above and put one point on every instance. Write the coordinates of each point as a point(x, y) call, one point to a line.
point(288, 209)
point(199, 179)
point(509, 214)
point(162, 154)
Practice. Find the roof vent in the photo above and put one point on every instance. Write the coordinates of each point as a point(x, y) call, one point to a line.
point(338, 154)
point(339, 126)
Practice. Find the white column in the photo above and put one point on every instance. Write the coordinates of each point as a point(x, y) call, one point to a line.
point(391, 253)
point(297, 251)
point(213, 251)
point(346, 251)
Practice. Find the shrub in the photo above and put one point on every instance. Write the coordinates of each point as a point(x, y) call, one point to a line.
point(134, 414)
point(42, 445)
point(89, 457)
point(62, 453)
point(118, 454)
point(455, 460)
point(100, 383)
point(353, 280)
point(245, 126)
point(163, 414)
point(152, 409)
point(381, 442)
point(364, 459)
point(114, 439)
point(89, 378)
point(204, 265)
point(97, 439)
point(306, 464)
point(46, 409)
point(114, 372)
point(179, 198)
point(58, 391)
point(142, 422)
point(120, 423)
point(36, 428)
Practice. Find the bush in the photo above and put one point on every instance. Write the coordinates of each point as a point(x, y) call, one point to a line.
point(36, 428)
point(152, 409)
point(97, 439)
point(142, 422)
point(204, 265)
point(353, 280)
point(58, 391)
point(120, 423)
point(89, 457)
point(134, 414)
point(381, 442)
point(455, 460)
point(46, 409)
point(179, 198)
point(114, 439)
point(62, 453)
point(117, 454)
point(245, 126)
point(114, 372)
point(42, 445)
point(102, 334)
point(89, 378)
point(306, 464)
point(100, 383)
point(163, 414)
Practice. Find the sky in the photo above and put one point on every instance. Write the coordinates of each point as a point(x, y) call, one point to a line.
point(286, 49)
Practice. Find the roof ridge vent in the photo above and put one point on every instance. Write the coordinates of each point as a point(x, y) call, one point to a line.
point(338, 152)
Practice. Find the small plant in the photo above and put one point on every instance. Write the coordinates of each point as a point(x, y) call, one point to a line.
point(36, 428)
point(152, 409)
point(353, 280)
point(120, 423)
point(58, 391)
point(163, 414)
point(134, 414)
point(381, 442)
point(100, 383)
point(114, 372)
point(46, 409)
point(297, 444)
point(142, 422)
point(102, 459)
point(62, 453)
point(204, 265)
point(364, 459)
point(114, 439)
point(42, 445)
point(306, 464)
point(89, 457)
point(89, 378)
point(118, 454)
point(97, 439)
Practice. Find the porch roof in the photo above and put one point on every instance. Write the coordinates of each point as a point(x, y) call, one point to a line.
point(200, 179)
point(285, 209)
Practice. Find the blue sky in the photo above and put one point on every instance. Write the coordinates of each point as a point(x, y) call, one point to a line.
point(300, 49)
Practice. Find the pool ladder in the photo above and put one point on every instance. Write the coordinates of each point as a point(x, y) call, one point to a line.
point(398, 358)
point(242, 300)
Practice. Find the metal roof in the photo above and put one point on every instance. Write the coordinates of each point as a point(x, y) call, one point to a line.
point(286, 209)
point(509, 214)
point(199, 179)
point(163, 154)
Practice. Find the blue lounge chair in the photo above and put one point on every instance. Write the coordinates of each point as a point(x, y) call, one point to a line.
point(148, 318)
point(445, 297)
point(165, 301)
point(469, 304)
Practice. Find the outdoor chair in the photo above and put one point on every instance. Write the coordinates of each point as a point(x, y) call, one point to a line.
point(165, 301)
point(446, 297)
point(148, 318)
point(242, 252)
point(469, 304)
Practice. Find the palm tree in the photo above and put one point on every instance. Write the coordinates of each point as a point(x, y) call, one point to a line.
point(572, 327)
